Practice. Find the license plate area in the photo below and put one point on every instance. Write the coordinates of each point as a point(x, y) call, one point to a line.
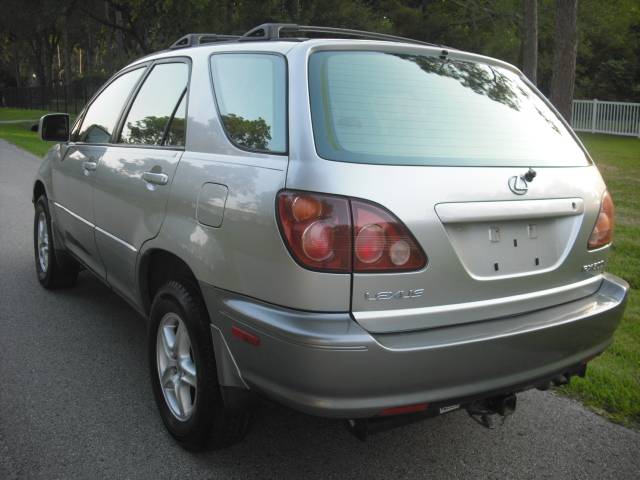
point(491, 249)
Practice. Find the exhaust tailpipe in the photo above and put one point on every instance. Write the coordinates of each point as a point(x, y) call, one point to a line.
point(484, 411)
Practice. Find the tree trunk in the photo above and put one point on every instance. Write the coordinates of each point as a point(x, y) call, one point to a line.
point(38, 63)
point(48, 60)
point(66, 52)
point(16, 56)
point(564, 56)
point(530, 39)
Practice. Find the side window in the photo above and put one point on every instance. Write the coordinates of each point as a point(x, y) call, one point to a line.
point(102, 115)
point(154, 107)
point(250, 90)
point(176, 133)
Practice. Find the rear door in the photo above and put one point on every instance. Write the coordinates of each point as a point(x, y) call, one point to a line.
point(134, 177)
point(74, 177)
point(446, 145)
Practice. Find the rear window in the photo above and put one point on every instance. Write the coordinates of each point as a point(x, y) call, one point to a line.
point(400, 109)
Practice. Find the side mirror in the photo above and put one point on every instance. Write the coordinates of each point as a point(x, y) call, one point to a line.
point(54, 127)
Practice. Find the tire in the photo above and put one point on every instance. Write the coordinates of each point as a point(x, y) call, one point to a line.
point(55, 269)
point(195, 416)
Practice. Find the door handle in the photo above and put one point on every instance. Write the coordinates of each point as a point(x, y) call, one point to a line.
point(90, 166)
point(155, 178)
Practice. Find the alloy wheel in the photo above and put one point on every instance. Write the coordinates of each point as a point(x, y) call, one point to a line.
point(43, 242)
point(176, 367)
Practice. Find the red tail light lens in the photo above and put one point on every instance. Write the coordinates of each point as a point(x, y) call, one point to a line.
point(382, 243)
point(320, 234)
point(602, 233)
point(317, 230)
point(370, 242)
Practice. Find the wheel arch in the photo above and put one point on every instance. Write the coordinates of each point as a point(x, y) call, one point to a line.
point(38, 190)
point(158, 266)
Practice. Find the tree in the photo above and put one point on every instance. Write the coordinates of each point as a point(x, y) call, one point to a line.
point(564, 57)
point(530, 39)
point(84, 42)
point(254, 134)
point(607, 67)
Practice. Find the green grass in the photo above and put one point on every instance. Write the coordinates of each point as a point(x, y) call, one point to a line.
point(20, 114)
point(612, 384)
point(19, 133)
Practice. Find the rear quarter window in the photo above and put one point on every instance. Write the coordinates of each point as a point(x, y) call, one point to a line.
point(250, 91)
point(404, 109)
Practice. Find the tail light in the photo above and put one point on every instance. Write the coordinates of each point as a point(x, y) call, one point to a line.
point(338, 234)
point(602, 233)
point(382, 242)
point(317, 230)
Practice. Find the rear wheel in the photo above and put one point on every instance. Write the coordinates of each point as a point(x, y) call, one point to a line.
point(183, 372)
point(55, 269)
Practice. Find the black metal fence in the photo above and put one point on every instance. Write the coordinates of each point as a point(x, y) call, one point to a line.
point(57, 98)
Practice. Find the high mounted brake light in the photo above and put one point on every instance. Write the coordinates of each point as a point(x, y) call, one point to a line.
point(337, 234)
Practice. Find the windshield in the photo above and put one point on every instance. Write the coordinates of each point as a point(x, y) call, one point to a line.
point(401, 109)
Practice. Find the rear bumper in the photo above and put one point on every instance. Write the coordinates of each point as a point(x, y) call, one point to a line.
point(327, 365)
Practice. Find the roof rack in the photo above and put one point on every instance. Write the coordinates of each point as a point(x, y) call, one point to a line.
point(195, 39)
point(274, 31)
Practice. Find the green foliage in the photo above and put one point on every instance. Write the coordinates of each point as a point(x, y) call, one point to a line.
point(612, 384)
point(13, 114)
point(100, 36)
point(608, 50)
point(20, 134)
point(148, 131)
point(252, 134)
point(483, 81)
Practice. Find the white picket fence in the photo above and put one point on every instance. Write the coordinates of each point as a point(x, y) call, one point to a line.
point(616, 118)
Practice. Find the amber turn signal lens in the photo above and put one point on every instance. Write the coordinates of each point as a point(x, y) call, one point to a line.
point(306, 207)
point(602, 233)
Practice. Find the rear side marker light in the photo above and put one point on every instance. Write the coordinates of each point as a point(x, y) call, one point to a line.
point(602, 233)
point(245, 336)
point(388, 412)
point(338, 234)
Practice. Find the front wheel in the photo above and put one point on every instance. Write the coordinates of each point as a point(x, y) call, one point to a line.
point(54, 268)
point(183, 372)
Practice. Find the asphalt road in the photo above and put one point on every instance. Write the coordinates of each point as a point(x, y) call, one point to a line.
point(75, 400)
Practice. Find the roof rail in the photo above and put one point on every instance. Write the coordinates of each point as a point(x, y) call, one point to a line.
point(195, 39)
point(272, 31)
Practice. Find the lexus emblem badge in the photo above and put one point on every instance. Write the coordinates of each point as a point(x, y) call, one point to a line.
point(518, 185)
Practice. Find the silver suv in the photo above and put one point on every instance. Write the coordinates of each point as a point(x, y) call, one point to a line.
point(373, 229)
